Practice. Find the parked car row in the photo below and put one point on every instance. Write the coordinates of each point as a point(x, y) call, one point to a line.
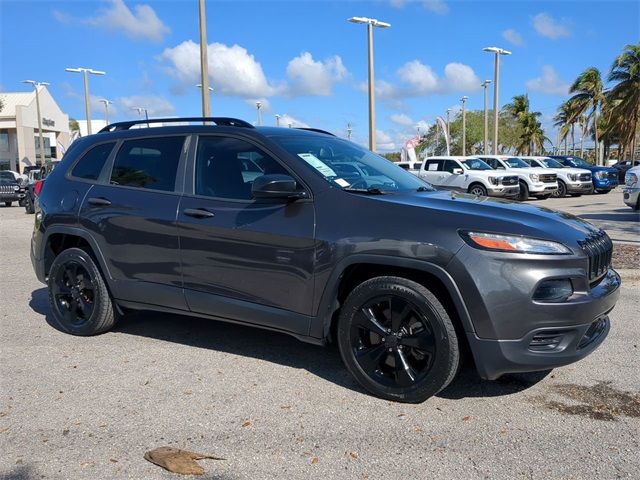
point(518, 177)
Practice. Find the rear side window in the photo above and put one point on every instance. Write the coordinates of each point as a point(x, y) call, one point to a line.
point(148, 163)
point(433, 165)
point(90, 165)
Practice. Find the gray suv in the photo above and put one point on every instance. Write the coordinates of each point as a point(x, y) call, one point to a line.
point(401, 276)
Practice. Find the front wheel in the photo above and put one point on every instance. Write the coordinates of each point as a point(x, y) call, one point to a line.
point(78, 296)
point(524, 192)
point(8, 204)
point(603, 192)
point(28, 205)
point(397, 340)
point(561, 192)
point(478, 190)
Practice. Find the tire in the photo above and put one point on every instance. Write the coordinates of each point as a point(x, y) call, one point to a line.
point(561, 192)
point(383, 354)
point(543, 197)
point(603, 192)
point(8, 204)
point(575, 194)
point(28, 205)
point(478, 190)
point(78, 296)
point(524, 192)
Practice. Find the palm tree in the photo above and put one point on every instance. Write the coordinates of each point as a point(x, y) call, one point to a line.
point(532, 136)
point(518, 107)
point(562, 119)
point(589, 97)
point(625, 95)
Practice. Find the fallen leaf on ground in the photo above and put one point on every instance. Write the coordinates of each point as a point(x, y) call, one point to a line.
point(247, 423)
point(466, 419)
point(178, 461)
point(314, 460)
point(113, 460)
point(353, 455)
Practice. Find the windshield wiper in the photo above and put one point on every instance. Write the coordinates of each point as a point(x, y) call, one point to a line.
point(367, 191)
point(423, 189)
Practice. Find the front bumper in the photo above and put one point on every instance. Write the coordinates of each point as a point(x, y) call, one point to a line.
point(580, 187)
point(542, 188)
point(11, 197)
point(504, 191)
point(604, 183)
point(630, 196)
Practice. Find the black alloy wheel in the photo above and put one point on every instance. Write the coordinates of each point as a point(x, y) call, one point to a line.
point(561, 192)
point(74, 293)
point(397, 340)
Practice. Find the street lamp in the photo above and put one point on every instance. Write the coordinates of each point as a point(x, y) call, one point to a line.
point(485, 84)
point(258, 107)
point(140, 111)
point(35, 87)
point(204, 63)
point(464, 125)
point(199, 85)
point(496, 87)
point(448, 131)
point(349, 131)
point(278, 120)
point(106, 109)
point(85, 72)
point(371, 22)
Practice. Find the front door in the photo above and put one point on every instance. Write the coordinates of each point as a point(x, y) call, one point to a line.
point(245, 259)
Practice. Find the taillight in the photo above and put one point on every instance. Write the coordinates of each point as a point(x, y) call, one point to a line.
point(38, 187)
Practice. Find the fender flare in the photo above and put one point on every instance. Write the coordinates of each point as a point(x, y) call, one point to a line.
point(328, 304)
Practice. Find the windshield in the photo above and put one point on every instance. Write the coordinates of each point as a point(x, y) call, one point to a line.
point(348, 165)
point(515, 162)
point(475, 164)
point(551, 163)
point(578, 162)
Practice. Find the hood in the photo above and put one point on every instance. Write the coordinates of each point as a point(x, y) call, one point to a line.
point(468, 212)
point(524, 170)
point(596, 168)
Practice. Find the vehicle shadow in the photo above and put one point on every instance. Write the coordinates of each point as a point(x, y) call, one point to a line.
point(280, 348)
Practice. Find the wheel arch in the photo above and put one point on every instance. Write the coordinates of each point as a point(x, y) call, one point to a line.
point(477, 182)
point(359, 268)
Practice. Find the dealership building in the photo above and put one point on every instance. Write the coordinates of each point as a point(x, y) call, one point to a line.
point(19, 137)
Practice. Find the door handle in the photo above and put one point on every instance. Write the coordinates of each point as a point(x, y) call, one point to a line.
point(198, 213)
point(99, 202)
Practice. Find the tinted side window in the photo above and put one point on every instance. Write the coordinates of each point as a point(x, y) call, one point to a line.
point(90, 165)
point(449, 165)
point(433, 165)
point(148, 163)
point(221, 167)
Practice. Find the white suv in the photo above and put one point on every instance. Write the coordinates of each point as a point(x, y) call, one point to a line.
point(574, 181)
point(532, 181)
point(470, 175)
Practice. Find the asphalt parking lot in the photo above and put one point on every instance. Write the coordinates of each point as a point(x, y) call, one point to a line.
point(89, 408)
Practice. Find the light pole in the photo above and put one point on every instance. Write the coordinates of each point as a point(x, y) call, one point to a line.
point(371, 22)
point(85, 72)
point(140, 111)
point(496, 87)
point(349, 131)
point(485, 84)
point(278, 120)
point(199, 85)
point(35, 87)
point(448, 131)
point(291, 125)
point(258, 107)
point(106, 109)
point(204, 63)
point(464, 125)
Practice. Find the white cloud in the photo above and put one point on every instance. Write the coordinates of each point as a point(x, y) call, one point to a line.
point(401, 119)
point(142, 24)
point(310, 77)
point(459, 77)
point(398, 3)
point(423, 125)
point(548, 82)
point(419, 77)
point(549, 27)
point(436, 6)
point(385, 142)
point(512, 36)
point(233, 70)
point(286, 120)
point(156, 106)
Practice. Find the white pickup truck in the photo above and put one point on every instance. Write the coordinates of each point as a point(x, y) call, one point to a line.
point(470, 175)
point(532, 182)
point(574, 181)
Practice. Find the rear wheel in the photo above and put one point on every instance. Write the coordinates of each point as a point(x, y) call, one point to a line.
point(561, 192)
point(78, 295)
point(397, 340)
point(478, 190)
point(28, 205)
point(8, 204)
point(524, 192)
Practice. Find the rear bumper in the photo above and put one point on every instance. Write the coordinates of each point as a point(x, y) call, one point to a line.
point(630, 196)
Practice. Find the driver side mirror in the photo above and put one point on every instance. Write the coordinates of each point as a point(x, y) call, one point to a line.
point(276, 186)
point(457, 171)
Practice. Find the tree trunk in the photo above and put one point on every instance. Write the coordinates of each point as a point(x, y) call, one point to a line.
point(595, 134)
point(573, 139)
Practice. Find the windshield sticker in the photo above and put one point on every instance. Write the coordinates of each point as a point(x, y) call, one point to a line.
point(318, 164)
point(342, 182)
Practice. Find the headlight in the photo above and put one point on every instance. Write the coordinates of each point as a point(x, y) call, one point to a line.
point(534, 177)
point(513, 243)
point(631, 179)
point(494, 180)
point(16, 188)
point(600, 175)
point(572, 176)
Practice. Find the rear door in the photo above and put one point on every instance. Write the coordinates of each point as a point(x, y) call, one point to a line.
point(132, 216)
point(242, 258)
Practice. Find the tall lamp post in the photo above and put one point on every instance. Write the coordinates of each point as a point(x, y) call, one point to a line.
point(140, 111)
point(371, 22)
point(106, 109)
point(496, 88)
point(349, 131)
point(85, 72)
point(448, 121)
point(258, 107)
point(35, 87)
point(485, 84)
point(204, 63)
point(464, 125)
point(278, 120)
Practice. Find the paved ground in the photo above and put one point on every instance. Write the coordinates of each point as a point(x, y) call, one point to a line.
point(88, 408)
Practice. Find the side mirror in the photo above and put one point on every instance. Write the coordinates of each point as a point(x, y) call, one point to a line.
point(457, 171)
point(276, 186)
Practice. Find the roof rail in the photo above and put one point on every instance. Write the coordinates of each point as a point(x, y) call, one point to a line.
point(315, 130)
point(220, 121)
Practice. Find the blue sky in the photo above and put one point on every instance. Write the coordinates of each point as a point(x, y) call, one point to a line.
point(304, 61)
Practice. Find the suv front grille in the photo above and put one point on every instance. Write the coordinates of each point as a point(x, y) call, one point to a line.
point(548, 177)
point(599, 249)
point(612, 175)
point(584, 177)
point(509, 180)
